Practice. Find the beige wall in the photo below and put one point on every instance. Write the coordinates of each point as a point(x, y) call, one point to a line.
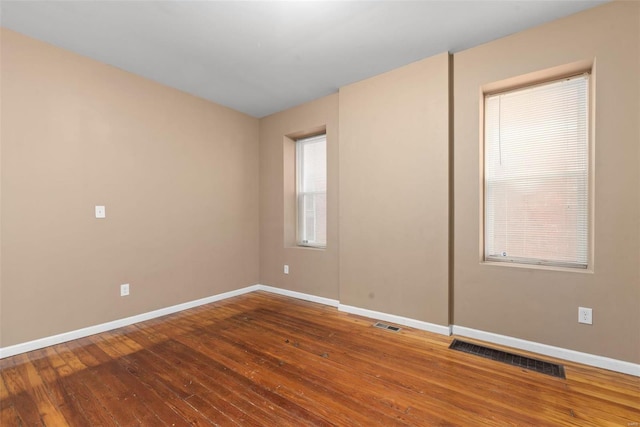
point(312, 271)
point(178, 176)
point(394, 194)
point(196, 206)
point(541, 305)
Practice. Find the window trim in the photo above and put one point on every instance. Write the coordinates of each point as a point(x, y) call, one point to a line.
point(300, 195)
point(533, 80)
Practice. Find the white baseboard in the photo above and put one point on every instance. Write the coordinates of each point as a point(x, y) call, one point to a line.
point(406, 321)
point(103, 327)
point(299, 295)
point(108, 326)
point(549, 350)
point(558, 352)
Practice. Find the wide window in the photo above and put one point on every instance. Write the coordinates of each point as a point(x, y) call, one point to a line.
point(311, 171)
point(536, 170)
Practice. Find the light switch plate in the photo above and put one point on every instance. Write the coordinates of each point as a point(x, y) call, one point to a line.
point(101, 212)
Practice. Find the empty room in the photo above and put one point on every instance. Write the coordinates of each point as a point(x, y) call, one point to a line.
point(327, 213)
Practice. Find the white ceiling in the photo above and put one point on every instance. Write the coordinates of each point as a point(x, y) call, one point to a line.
point(260, 57)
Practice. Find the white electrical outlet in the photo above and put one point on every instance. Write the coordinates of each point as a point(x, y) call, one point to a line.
point(286, 269)
point(585, 315)
point(124, 290)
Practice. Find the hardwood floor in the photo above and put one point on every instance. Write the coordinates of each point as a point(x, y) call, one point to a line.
point(266, 360)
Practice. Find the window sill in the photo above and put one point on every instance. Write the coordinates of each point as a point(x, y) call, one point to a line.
point(317, 248)
point(588, 270)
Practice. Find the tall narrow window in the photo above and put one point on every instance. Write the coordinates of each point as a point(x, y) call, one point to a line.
point(311, 170)
point(537, 174)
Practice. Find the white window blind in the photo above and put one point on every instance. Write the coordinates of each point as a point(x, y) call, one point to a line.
point(311, 170)
point(537, 174)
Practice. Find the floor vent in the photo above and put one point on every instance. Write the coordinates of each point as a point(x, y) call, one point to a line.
point(529, 363)
point(385, 326)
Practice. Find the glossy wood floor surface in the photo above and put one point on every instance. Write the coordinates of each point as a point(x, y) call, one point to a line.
point(267, 360)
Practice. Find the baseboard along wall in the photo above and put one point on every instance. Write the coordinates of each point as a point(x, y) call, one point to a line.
point(543, 349)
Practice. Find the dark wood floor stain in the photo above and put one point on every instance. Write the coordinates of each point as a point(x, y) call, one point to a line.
point(267, 360)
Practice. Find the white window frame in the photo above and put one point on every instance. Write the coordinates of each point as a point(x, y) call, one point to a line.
point(301, 239)
point(586, 251)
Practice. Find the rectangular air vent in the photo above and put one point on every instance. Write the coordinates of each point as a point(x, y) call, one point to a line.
point(387, 327)
point(529, 363)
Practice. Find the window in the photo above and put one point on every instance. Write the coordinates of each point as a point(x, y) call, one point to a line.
point(311, 170)
point(536, 174)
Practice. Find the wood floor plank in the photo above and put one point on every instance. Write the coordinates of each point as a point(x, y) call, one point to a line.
point(48, 411)
point(372, 378)
point(61, 395)
point(235, 390)
point(230, 360)
point(100, 384)
point(168, 406)
point(397, 383)
point(293, 392)
point(231, 412)
point(24, 403)
point(8, 414)
point(152, 402)
point(166, 396)
point(264, 397)
point(4, 392)
point(439, 379)
point(295, 363)
point(87, 403)
point(264, 359)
